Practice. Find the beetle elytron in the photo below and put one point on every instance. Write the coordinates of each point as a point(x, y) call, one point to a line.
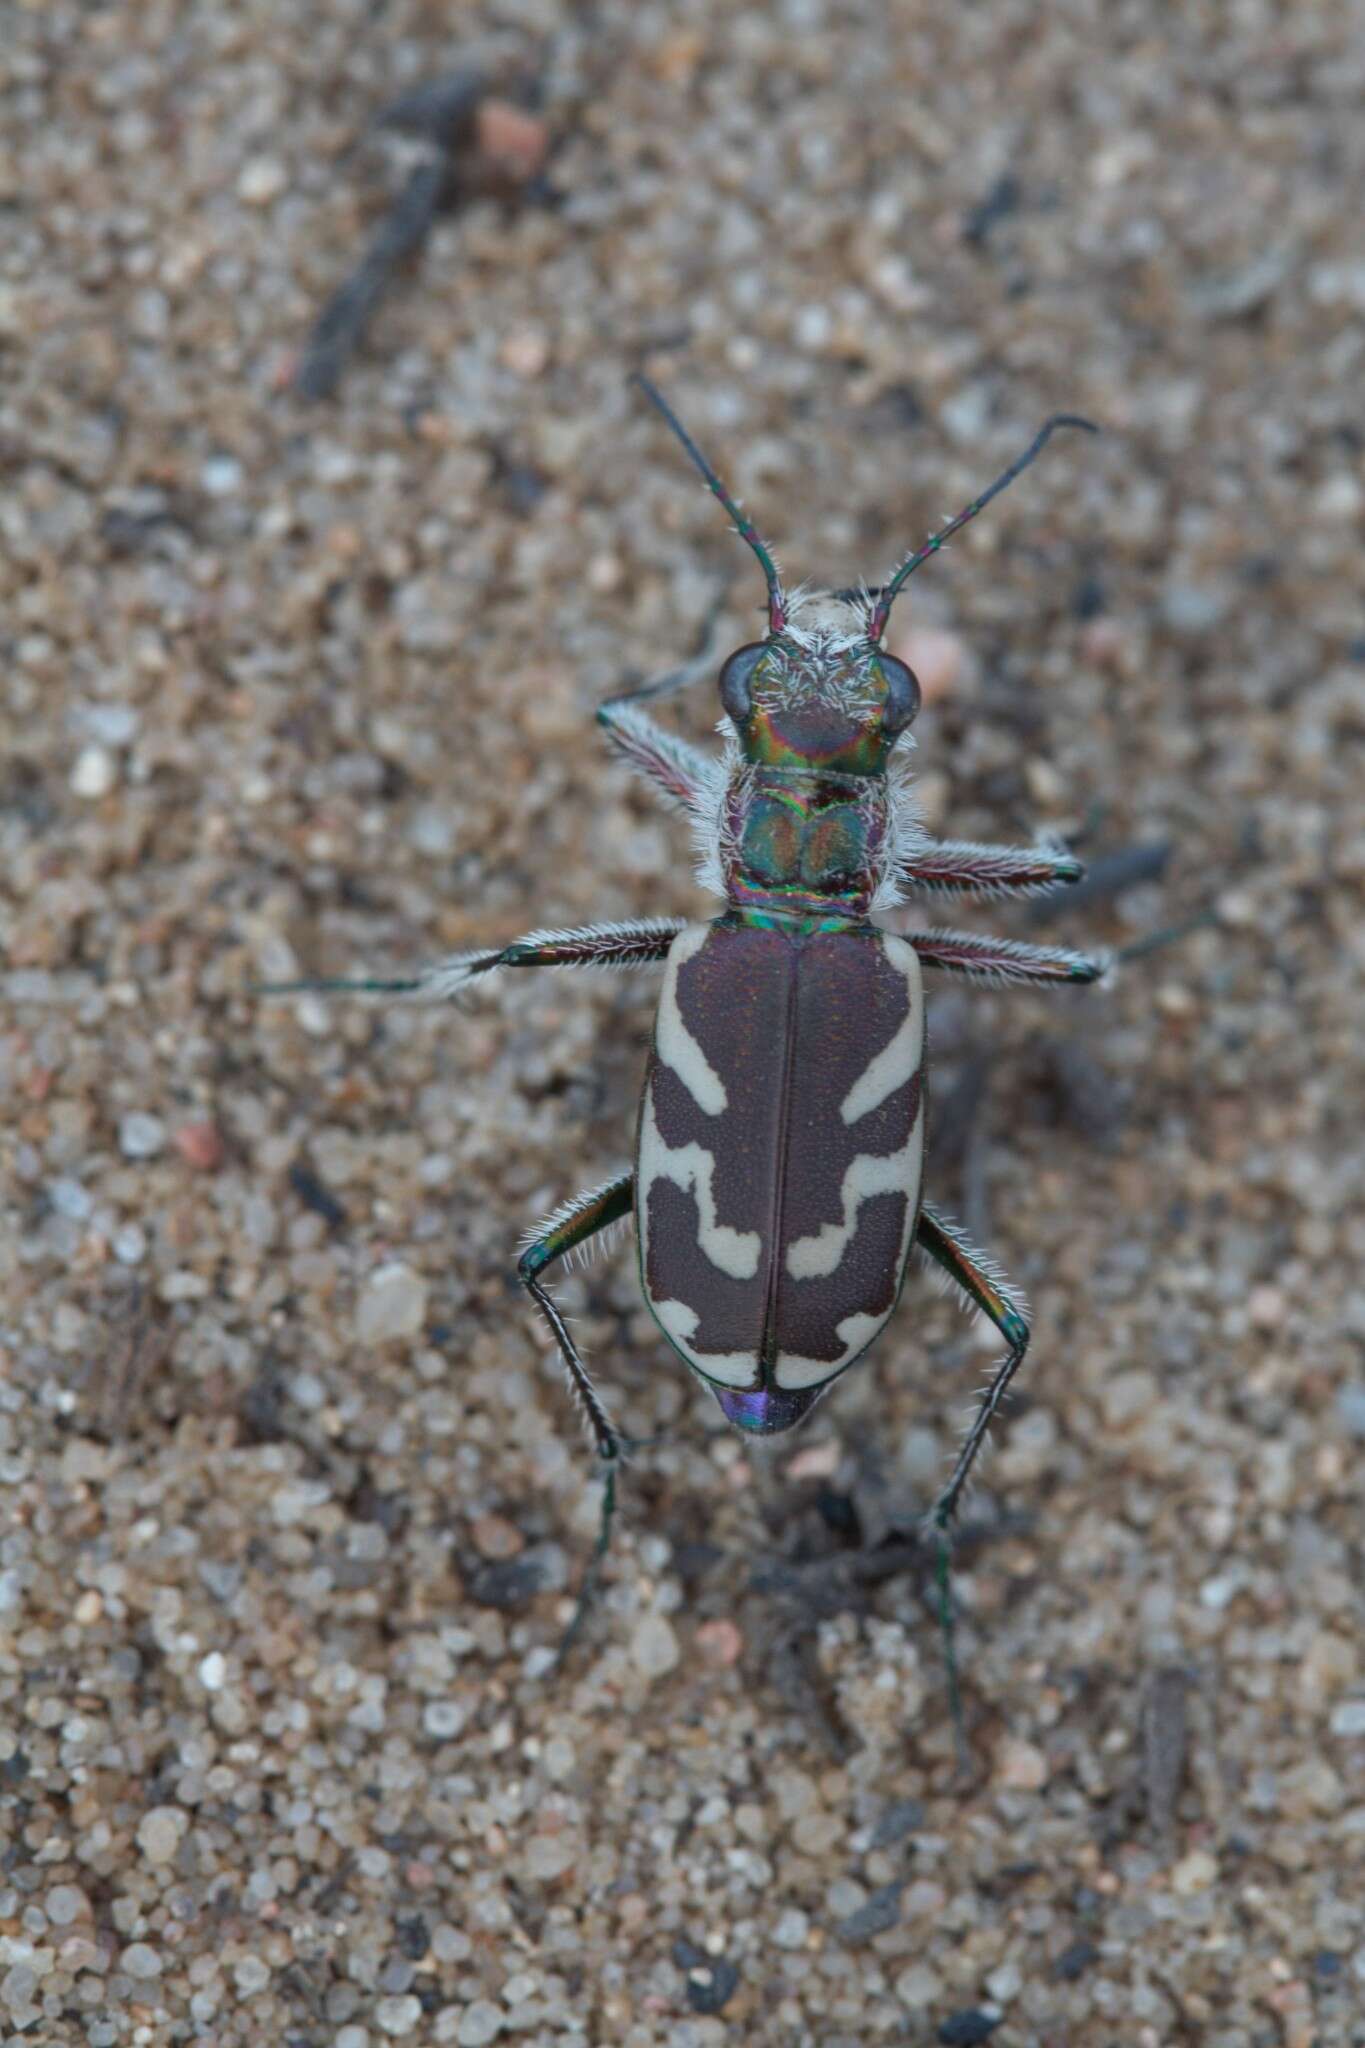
point(776, 1189)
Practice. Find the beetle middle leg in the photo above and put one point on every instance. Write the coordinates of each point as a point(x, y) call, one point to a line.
point(562, 1234)
point(638, 944)
point(983, 957)
point(960, 867)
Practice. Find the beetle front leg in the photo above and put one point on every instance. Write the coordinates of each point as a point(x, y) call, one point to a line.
point(594, 945)
point(559, 1237)
point(683, 772)
point(985, 958)
point(964, 868)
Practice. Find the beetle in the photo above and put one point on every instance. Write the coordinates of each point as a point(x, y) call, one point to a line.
point(777, 1186)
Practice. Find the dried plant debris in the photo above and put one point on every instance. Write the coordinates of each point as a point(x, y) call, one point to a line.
point(474, 139)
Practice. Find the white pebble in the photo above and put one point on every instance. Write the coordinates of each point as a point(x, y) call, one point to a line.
point(392, 1304)
point(65, 1903)
point(221, 475)
point(654, 1646)
point(141, 1961)
point(212, 1671)
point(69, 1198)
point(791, 1929)
point(141, 1136)
point(159, 1832)
point(444, 1719)
point(1349, 1718)
point(480, 2023)
point(398, 2016)
point(550, 1856)
point(262, 180)
point(95, 772)
point(130, 1244)
point(112, 724)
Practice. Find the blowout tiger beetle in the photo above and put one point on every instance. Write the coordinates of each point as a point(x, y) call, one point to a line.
point(776, 1191)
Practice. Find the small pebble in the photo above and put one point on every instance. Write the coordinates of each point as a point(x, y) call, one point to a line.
point(141, 1136)
point(549, 1856)
point(1351, 1410)
point(393, 1304)
point(525, 352)
point(141, 1961)
point(495, 1536)
point(398, 2016)
point(720, 1643)
point(159, 1833)
point(200, 1146)
point(510, 139)
point(654, 1646)
point(69, 1198)
point(881, 1912)
point(65, 1903)
point(221, 475)
point(1194, 609)
point(1020, 1767)
point(95, 772)
point(815, 1461)
point(262, 180)
point(480, 2023)
point(1194, 1873)
point(968, 2029)
point(1348, 1718)
point(791, 1928)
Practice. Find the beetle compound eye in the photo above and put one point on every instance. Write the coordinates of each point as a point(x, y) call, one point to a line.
point(737, 676)
point(902, 693)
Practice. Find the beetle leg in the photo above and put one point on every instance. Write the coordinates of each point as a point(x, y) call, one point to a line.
point(591, 945)
point(986, 958)
point(563, 1233)
point(964, 868)
point(683, 772)
point(982, 1281)
point(680, 770)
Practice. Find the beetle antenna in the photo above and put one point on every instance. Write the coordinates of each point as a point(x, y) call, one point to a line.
point(744, 527)
point(890, 591)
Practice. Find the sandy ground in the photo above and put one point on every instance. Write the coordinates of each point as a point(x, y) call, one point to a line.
point(294, 1503)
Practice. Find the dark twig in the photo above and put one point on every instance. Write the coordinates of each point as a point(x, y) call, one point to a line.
point(342, 323)
point(1165, 1745)
point(452, 117)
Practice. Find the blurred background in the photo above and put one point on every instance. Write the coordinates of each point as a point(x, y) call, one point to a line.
point(327, 519)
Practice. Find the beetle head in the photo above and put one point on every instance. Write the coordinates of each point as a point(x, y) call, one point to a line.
point(819, 693)
point(821, 690)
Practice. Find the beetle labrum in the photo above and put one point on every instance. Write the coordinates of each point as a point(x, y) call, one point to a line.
point(776, 1191)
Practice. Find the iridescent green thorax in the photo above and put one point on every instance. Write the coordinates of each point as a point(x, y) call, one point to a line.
point(808, 841)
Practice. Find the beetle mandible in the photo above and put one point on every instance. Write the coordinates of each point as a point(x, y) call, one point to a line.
point(776, 1190)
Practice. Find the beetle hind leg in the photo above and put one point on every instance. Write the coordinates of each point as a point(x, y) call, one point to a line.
point(567, 1231)
point(983, 1283)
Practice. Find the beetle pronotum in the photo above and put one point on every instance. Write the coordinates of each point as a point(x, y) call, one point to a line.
point(776, 1190)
